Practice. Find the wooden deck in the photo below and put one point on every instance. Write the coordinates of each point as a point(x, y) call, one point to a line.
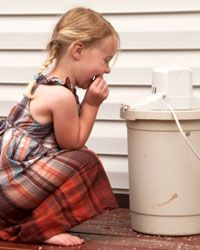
point(112, 231)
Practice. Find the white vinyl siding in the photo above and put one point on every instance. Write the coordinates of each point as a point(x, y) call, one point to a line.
point(153, 33)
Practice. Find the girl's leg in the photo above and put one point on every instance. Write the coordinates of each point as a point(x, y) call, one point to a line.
point(85, 194)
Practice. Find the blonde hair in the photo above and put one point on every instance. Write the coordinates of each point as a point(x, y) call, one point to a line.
point(77, 24)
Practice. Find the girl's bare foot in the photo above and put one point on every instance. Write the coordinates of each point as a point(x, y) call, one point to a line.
point(64, 239)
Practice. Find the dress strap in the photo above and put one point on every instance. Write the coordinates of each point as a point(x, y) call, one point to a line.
point(4, 124)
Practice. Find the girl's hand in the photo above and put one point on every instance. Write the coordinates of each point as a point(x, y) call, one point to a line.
point(97, 92)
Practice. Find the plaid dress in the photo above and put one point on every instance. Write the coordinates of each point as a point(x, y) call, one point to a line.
point(44, 190)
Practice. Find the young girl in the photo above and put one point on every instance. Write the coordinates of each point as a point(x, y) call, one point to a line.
point(49, 181)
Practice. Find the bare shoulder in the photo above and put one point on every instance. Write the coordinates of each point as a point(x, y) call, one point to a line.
point(50, 94)
point(48, 100)
point(58, 96)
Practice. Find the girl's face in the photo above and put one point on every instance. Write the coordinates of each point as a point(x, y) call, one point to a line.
point(95, 61)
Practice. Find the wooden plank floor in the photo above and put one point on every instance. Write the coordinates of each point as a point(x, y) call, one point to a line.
point(112, 231)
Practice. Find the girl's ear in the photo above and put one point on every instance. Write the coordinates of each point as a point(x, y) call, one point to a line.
point(77, 50)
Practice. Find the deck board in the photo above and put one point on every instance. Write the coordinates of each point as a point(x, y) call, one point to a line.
point(112, 231)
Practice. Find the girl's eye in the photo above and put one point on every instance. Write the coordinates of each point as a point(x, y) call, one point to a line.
point(107, 61)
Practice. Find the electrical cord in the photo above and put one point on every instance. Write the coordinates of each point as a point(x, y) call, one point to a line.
point(179, 126)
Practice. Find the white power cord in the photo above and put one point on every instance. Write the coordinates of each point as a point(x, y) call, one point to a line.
point(179, 126)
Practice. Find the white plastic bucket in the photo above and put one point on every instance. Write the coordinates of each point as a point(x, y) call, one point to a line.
point(164, 173)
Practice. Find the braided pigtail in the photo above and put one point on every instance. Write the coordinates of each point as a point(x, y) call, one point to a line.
point(53, 48)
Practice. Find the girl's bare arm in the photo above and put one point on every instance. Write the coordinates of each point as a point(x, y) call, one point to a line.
point(71, 129)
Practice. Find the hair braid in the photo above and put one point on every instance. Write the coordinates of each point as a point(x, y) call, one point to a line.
point(52, 55)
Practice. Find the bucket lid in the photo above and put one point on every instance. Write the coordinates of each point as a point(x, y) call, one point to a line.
point(171, 91)
point(129, 113)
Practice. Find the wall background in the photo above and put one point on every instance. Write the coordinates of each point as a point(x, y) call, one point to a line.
point(153, 33)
